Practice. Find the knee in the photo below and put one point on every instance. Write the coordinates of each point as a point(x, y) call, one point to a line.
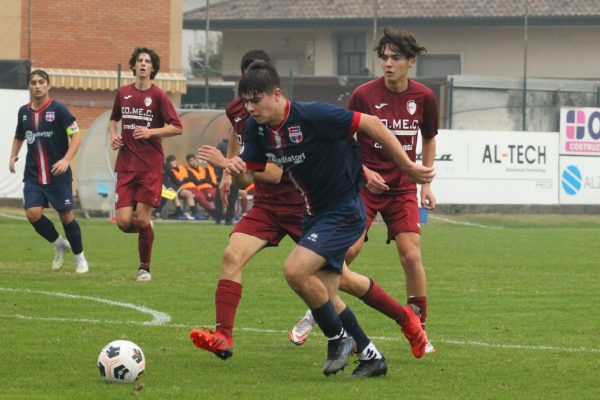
point(411, 260)
point(293, 275)
point(232, 264)
point(124, 223)
point(33, 215)
point(66, 217)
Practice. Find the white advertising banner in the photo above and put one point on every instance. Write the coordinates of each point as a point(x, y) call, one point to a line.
point(580, 131)
point(579, 180)
point(489, 167)
point(11, 185)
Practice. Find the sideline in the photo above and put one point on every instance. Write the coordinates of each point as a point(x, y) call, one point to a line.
point(450, 221)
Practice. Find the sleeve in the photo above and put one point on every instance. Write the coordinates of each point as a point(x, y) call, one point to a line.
point(20, 131)
point(68, 121)
point(116, 111)
point(333, 123)
point(429, 128)
point(252, 153)
point(168, 113)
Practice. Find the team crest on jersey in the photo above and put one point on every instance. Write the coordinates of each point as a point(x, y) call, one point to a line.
point(24, 117)
point(50, 116)
point(295, 134)
point(411, 107)
point(148, 101)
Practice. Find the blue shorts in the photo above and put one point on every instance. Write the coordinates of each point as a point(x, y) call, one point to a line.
point(59, 195)
point(331, 233)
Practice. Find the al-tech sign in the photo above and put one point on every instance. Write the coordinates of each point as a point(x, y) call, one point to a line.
point(580, 131)
point(489, 167)
point(579, 180)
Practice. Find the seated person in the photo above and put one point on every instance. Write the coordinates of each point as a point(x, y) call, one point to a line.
point(205, 181)
point(180, 181)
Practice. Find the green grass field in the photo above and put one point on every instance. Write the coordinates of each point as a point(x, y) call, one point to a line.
point(513, 314)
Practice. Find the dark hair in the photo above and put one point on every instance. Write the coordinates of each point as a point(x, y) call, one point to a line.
point(401, 42)
point(39, 72)
point(153, 57)
point(253, 55)
point(187, 158)
point(260, 77)
point(170, 158)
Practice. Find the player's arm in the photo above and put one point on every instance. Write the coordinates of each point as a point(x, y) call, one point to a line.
point(62, 165)
point(236, 168)
point(14, 153)
point(116, 140)
point(166, 131)
point(373, 127)
point(428, 156)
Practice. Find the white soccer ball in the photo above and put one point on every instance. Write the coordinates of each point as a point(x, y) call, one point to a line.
point(121, 361)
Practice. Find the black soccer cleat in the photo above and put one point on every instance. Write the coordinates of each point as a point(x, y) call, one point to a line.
point(370, 368)
point(338, 352)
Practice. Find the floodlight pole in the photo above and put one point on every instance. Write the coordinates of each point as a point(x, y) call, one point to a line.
point(524, 110)
point(206, 57)
point(375, 17)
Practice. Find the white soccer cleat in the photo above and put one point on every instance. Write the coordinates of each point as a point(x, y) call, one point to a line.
point(81, 264)
point(302, 329)
point(143, 276)
point(429, 347)
point(62, 248)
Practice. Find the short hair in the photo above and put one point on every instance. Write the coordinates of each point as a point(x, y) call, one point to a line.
point(39, 72)
point(253, 55)
point(260, 77)
point(399, 41)
point(187, 158)
point(170, 158)
point(155, 58)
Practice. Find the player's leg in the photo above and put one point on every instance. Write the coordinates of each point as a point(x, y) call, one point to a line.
point(73, 234)
point(125, 202)
point(145, 240)
point(35, 201)
point(240, 249)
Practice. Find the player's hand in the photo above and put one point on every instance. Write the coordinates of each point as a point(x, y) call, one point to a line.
point(427, 197)
point(420, 174)
point(212, 155)
point(142, 133)
point(11, 164)
point(116, 142)
point(375, 182)
point(235, 166)
point(225, 189)
point(60, 167)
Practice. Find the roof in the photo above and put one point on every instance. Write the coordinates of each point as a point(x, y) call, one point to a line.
point(243, 12)
point(108, 80)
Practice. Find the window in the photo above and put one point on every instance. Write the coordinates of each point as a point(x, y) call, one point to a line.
point(438, 65)
point(351, 49)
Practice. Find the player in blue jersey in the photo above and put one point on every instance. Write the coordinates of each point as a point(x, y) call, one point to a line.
point(52, 139)
point(313, 144)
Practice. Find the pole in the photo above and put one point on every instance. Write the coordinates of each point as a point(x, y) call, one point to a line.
point(119, 76)
point(206, 56)
point(524, 110)
point(29, 31)
point(375, 17)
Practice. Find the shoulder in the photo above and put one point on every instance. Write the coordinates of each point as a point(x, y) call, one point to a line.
point(420, 88)
point(60, 108)
point(235, 108)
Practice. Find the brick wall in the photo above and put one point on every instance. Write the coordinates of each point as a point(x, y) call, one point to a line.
point(91, 34)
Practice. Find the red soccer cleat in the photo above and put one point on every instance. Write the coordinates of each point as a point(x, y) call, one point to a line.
point(412, 330)
point(215, 342)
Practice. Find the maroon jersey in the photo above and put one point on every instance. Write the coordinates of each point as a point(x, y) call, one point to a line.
point(137, 108)
point(405, 114)
point(265, 194)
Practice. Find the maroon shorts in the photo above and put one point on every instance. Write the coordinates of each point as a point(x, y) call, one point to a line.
point(138, 187)
point(271, 224)
point(399, 212)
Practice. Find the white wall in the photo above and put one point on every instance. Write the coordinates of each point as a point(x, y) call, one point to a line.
point(11, 185)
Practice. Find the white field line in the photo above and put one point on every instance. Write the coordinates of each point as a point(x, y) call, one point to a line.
point(158, 317)
point(13, 217)
point(162, 319)
point(450, 221)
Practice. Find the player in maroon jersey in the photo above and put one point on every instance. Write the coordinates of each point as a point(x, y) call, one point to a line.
point(406, 107)
point(277, 212)
point(146, 116)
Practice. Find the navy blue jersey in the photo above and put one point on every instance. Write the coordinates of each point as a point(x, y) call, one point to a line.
point(315, 147)
point(47, 132)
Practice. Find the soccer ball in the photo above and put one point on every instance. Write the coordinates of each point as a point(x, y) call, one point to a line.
point(121, 361)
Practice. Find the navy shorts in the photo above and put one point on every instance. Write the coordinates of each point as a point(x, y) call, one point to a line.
point(59, 195)
point(331, 233)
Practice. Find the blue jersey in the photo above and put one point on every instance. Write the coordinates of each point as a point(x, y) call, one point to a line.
point(47, 132)
point(315, 147)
